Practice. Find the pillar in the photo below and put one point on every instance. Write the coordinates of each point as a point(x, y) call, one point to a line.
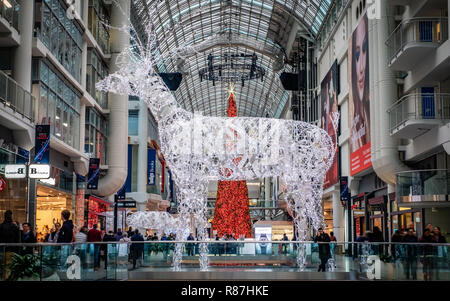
point(22, 56)
point(338, 214)
point(142, 155)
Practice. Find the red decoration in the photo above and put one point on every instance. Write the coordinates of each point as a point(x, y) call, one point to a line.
point(232, 214)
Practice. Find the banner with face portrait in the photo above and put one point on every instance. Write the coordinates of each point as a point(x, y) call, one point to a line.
point(359, 104)
point(328, 96)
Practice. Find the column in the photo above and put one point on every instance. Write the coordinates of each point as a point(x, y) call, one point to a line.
point(22, 56)
point(338, 214)
point(142, 155)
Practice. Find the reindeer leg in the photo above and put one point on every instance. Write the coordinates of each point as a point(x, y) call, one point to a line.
point(200, 217)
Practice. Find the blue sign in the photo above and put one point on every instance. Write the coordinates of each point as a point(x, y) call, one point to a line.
point(94, 169)
point(42, 144)
point(151, 174)
point(23, 156)
point(121, 193)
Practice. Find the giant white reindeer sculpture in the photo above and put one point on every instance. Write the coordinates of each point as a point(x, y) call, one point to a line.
point(199, 148)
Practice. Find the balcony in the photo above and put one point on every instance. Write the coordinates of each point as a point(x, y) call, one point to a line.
point(9, 23)
point(423, 188)
point(15, 99)
point(414, 114)
point(414, 39)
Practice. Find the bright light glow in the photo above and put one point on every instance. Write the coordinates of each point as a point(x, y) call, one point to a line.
point(7, 4)
point(198, 148)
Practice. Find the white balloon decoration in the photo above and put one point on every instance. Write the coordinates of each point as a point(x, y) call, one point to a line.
point(199, 148)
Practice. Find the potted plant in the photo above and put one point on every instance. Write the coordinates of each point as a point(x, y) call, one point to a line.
point(24, 268)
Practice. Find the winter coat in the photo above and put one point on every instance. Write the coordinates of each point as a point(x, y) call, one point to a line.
point(324, 249)
point(66, 233)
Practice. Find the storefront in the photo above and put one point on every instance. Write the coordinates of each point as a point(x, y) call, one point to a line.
point(96, 212)
point(50, 202)
point(359, 215)
point(377, 212)
point(13, 192)
point(328, 214)
point(403, 218)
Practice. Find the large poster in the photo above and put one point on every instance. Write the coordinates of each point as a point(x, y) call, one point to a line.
point(359, 104)
point(328, 96)
point(42, 144)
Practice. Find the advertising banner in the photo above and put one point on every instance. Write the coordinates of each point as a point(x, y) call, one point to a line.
point(151, 175)
point(359, 100)
point(121, 193)
point(328, 96)
point(345, 193)
point(94, 169)
point(42, 144)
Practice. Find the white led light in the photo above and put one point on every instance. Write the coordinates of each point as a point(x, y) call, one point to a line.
point(199, 148)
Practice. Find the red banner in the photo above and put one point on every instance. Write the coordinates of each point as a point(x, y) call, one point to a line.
point(360, 159)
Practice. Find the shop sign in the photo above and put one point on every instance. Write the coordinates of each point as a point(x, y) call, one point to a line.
point(2, 184)
point(126, 204)
point(39, 171)
point(376, 207)
point(358, 212)
point(151, 161)
point(15, 171)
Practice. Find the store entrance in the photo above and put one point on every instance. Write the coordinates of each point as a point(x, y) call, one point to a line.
point(49, 204)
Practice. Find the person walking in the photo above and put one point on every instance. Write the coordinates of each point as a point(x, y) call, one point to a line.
point(81, 236)
point(108, 237)
point(324, 248)
point(428, 254)
point(9, 234)
point(440, 252)
point(53, 237)
point(65, 235)
point(118, 235)
point(395, 246)
point(136, 248)
point(190, 246)
point(410, 254)
point(28, 237)
point(94, 235)
point(285, 245)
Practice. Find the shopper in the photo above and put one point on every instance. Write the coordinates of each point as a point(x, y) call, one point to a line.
point(190, 246)
point(285, 245)
point(333, 240)
point(94, 236)
point(324, 248)
point(440, 252)
point(395, 246)
point(428, 254)
point(53, 237)
point(410, 254)
point(136, 248)
point(66, 233)
point(118, 235)
point(108, 237)
point(81, 236)
point(9, 233)
point(28, 237)
point(130, 232)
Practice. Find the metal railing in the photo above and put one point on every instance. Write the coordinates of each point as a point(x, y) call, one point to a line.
point(16, 97)
point(419, 106)
point(416, 30)
point(113, 260)
point(9, 10)
point(431, 185)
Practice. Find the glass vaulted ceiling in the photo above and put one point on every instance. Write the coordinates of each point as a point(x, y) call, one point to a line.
point(267, 26)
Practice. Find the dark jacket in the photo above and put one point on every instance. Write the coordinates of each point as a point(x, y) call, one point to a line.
point(324, 249)
point(410, 250)
point(28, 238)
point(10, 233)
point(137, 247)
point(94, 235)
point(427, 249)
point(66, 233)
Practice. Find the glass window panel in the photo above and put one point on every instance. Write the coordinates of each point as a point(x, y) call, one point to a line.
point(44, 73)
point(42, 105)
point(65, 123)
point(51, 111)
point(58, 118)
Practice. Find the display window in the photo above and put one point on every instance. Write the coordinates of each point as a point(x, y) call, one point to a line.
point(97, 211)
point(50, 202)
point(13, 196)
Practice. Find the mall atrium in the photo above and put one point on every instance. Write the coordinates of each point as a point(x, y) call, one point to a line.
point(224, 139)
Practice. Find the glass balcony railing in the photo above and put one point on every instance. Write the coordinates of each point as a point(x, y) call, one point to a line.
point(416, 30)
point(423, 186)
point(423, 106)
point(15, 97)
point(9, 10)
point(154, 260)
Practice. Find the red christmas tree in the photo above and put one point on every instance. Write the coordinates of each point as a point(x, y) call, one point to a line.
point(232, 214)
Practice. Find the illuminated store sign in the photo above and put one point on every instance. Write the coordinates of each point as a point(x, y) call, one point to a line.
point(15, 171)
point(39, 171)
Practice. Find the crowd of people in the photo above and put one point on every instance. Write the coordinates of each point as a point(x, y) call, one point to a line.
point(402, 248)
